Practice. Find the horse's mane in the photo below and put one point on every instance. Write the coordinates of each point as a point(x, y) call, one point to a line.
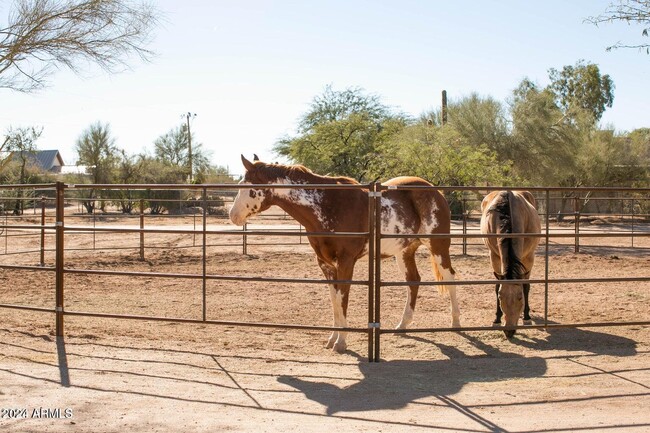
point(515, 269)
point(301, 174)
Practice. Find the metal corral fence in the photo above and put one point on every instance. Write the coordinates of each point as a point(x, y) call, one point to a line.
point(44, 215)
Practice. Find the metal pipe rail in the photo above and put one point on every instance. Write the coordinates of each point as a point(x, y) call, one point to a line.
point(374, 282)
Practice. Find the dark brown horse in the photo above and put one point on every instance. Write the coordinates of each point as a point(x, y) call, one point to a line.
point(346, 210)
point(512, 258)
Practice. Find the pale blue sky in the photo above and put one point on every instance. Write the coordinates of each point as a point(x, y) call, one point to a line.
point(249, 69)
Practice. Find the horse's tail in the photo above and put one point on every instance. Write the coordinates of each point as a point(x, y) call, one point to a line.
point(439, 276)
point(503, 208)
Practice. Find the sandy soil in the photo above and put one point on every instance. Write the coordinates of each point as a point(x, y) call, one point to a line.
point(111, 375)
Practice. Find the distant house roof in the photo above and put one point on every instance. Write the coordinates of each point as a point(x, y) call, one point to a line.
point(48, 160)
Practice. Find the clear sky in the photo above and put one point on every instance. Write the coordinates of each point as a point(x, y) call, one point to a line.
point(249, 69)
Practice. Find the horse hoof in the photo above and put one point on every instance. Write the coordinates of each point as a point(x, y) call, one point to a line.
point(332, 340)
point(340, 347)
point(510, 333)
point(528, 322)
point(455, 323)
point(496, 324)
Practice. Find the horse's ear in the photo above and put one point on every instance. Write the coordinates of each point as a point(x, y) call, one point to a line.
point(255, 157)
point(247, 164)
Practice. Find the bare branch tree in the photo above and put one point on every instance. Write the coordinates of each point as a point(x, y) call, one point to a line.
point(630, 11)
point(43, 35)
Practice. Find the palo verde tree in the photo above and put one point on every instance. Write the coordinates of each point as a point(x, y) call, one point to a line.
point(41, 36)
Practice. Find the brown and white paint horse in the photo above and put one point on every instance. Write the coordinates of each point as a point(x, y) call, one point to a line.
point(346, 210)
point(512, 258)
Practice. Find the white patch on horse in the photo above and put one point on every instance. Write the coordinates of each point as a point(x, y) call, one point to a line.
point(407, 316)
point(304, 197)
point(429, 220)
point(247, 203)
point(392, 223)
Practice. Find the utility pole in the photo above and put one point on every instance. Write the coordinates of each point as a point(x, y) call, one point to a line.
point(444, 107)
point(189, 116)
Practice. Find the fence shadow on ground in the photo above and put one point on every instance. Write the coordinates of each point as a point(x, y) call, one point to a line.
point(395, 384)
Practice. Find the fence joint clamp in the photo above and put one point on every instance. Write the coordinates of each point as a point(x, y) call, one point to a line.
point(59, 224)
point(59, 309)
point(375, 325)
point(374, 194)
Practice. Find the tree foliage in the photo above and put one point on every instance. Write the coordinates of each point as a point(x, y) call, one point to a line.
point(582, 88)
point(97, 151)
point(341, 133)
point(172, 148)
point(44, 35)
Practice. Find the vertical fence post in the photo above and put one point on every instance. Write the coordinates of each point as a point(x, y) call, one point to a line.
point(141, 229)
point(205, 252)
point(633, 200)
point(377, 272)
point(94, 226)
point(194, 219)
point(464, 224)
point(576, 216)
point(548, 222)
point(371, 270)
point(244, 239)
point(42, 230)
point(59, 261)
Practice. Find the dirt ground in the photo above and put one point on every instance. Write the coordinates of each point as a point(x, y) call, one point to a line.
point(117, 375)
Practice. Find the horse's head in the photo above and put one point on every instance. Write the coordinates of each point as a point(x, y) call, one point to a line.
point(511, 300)
point(251, 201)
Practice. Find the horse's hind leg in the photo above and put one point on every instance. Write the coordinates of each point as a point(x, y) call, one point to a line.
point(527, 320)
point(443, 271)
point(406, 263)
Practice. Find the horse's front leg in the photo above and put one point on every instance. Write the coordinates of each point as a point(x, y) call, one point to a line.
point(499, 314)
point(339, 294)
point(329, 271)
point(339, 298)
point(527, 320)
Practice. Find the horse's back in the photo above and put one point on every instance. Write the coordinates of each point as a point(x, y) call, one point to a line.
point(428, 205)
point(523, 219)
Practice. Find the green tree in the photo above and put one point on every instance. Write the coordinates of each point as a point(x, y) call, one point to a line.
point(42, 36)
point(543, 142)
point(480, 121)
point(341, 133)
point(21, 143)
point(442, 156)
point(172, 148)
point(97, 151)
point(157, 171)
point(629, 12)
point(582, 88)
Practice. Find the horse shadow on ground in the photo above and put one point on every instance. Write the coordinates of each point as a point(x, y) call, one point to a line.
point(576, 340)
point(395, 384)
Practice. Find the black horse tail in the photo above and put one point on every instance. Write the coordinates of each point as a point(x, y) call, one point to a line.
point(513, 266)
